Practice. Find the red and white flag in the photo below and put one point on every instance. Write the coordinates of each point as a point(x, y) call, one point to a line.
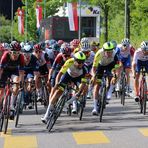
point(73, 16)
point(38, 15)
point(20, 13)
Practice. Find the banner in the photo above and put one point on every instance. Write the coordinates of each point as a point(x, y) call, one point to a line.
point(20, 13)
point(38, 15)
point(72, 16)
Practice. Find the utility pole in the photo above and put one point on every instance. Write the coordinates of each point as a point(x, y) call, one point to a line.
point(26, 20)
point(127, 19)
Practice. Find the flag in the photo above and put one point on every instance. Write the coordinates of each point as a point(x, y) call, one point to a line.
point(73, 16)
point(20, 13)
point(38, 15)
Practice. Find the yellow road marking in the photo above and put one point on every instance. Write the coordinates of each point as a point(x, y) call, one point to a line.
point(9, 132)
point(20, 142)
point(90, 137)
point(144, 131)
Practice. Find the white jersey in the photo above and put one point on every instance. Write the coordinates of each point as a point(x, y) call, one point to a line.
point(74, 72)
point(50, 53)
point(139, 56)
point(123, 53)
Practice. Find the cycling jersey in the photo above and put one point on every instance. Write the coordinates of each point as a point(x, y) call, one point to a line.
point(32, 65)
point(139, 56)
point(100, 58)
point(11, 65)
point(58, 62)
point(122, 53)
point(43, 60)
point(90, 59)
point(71, 69)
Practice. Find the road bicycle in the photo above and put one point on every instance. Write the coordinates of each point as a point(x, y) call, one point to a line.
point(143, 92)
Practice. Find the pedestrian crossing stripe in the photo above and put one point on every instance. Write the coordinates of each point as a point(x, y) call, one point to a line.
point(144, 131)
point(20, 142)
point(9, 133)
point(96, 137)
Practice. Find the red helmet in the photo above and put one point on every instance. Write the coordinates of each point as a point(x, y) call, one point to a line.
point(15, 46)
point(37, 47)
point(1, 47)
point(60, 42)
point(75, 42)
point(65, 49)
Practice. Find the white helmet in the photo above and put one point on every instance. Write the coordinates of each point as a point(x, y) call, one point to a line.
point(144, 45)
point(125, 42)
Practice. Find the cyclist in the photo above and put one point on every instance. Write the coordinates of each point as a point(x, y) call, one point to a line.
point(11, 66)
point(44, 67)
point(73, 70)
point(105, 59)
point(49, 51)
point(140, 60)
point(125, 52)
point(31, 69)
point(65, 52)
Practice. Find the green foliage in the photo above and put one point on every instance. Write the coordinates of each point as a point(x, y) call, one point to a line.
point(5, 27)
point(51, 8)
point(138, 19)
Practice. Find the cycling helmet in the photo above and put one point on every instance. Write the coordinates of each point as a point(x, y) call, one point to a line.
point(65, 49)
point(15, 46)
point(60, 42)
point(52, 41)
point(37, 47)
point(84, 40)
point(6, 45)
point(47, 42)
point(27, 49)
point(108, 46)
point(114, 43)
point(22, 44)
point(55, 47)
point(79, 56)
point(85, 47)
point(125, 42)
point(1, 47)
point(75, 42)
point(144, 45)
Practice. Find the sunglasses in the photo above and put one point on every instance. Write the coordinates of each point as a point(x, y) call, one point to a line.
point(80, 62)
point(86, 52)
point(15, 52)
point(38, 51)
point(26, 54)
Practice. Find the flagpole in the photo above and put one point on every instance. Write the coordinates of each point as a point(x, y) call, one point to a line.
point(44, 9)
point(79, 19)
point(11, 20)
point(26, 4)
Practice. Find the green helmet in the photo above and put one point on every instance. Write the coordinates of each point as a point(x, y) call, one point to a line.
point(114, 43)
point(79, 56)
point(108, 46)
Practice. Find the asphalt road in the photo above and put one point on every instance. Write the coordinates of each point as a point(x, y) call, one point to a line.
point(122, 126)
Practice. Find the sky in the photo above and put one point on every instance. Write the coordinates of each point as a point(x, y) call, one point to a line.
point(5, 7)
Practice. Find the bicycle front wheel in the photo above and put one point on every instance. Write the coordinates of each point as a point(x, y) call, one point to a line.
point(102, 103)
point(56, 113)
point(144, 97)
point(6, 113)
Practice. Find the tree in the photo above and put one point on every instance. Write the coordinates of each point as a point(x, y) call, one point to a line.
point(51, 6)
point(5, 25)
